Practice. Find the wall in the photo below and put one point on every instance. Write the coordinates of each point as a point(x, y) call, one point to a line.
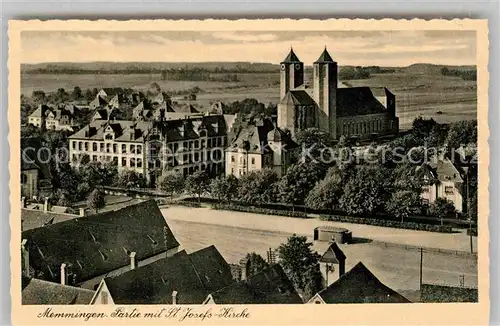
point(92, 283)
point(103, 296)
point(243, 163)
point(363, 125)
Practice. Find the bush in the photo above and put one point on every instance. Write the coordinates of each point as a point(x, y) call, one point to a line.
point(258, 210)
point(387, 223)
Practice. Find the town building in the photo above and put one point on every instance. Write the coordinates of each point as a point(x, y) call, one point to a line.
point(333, 258)
point(358, 285)
point(56, 118)
point(180, 279)
point(442, 180)
point(35, 168)
point(354, 112)
point(37, 215)
point(83, 251)
point(270, 286)
point(40, 292)
point(150, 147)
point(258, 144)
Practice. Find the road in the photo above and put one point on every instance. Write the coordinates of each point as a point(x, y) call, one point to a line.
point(396, 267)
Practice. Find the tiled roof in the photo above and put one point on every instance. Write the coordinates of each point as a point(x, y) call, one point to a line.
point(291, 57)
point(333, 255)
point(324, 57)
point(95, 130)
point(32, 218)
point(297, 97)
point(193, 276)
point(40, 292)
point(444, 169)
point(96, 244)
point(267, 287)
point(359, 285)
point(357, 101)
point(186, 108)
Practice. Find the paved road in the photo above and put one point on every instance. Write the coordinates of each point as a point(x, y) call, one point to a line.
point(455, 241)
point(396, 267)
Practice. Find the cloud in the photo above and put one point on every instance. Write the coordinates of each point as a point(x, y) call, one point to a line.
point(389, 48)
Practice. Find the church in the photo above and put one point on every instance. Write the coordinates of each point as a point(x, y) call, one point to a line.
point(354, 112)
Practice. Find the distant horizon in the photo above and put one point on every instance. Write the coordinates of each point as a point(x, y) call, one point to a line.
point(348, 48)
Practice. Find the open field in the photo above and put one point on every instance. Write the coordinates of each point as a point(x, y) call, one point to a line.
point(417, 93)
point(396, 267)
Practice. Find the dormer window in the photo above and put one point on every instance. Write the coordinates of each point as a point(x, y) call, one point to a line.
point(108, 136)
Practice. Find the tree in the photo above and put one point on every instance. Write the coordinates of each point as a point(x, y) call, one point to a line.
point(130, 179)
point(403, 204)
point(154, 89)
point(258, 187)
point(77, 93)
point(326, 194)
point(298, 181)
point(224, 188)
point(442, 207)
point(301, 264)
point(88, 95)
point(38, 97)
point(256, 263)
point(172, 182)
point(63, 198)
point(95, 201)
point(197, 183)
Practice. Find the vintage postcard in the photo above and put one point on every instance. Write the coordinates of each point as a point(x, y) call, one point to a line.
point(249, 172)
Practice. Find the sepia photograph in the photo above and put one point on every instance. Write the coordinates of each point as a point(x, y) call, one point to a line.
point(248, 167)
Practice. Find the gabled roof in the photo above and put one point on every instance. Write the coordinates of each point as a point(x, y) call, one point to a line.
point(324, 57)
point(267, 287)
point(357, 101)
point(40, 292)
point(193, 276)
point(40, 111)
point(32, 218)
point(291, 57)
point(297, 97)
point(444, 169)
point(333, 255)
point(359, 285)
point(96, 244)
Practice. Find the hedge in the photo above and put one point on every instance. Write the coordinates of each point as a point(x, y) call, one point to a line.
point(388, 223)
point(259, 210)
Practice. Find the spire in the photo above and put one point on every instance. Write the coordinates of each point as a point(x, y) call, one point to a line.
point(324, 57)
point(291, 57)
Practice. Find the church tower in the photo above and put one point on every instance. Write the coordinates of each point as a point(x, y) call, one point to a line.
point(325, 92)
point(292, 73)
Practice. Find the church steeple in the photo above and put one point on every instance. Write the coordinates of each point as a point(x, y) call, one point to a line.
point(325, 57)
point(291, 57)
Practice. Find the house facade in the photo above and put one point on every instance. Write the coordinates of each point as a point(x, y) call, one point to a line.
point(442, 179)
point(55, 118)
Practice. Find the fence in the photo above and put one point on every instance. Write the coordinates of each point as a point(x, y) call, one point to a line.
point(424, 249)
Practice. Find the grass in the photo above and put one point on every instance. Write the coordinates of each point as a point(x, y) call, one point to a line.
point(417, 93)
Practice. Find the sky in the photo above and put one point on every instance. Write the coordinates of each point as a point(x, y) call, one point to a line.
point(382, 48)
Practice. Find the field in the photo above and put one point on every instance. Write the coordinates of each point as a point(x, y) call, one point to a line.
point(418, 91)
point(235, 234)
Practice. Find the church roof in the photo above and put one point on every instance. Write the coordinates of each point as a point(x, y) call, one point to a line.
point(357, 101)
point(324, 57)
point(291, 57)
point(297, 97)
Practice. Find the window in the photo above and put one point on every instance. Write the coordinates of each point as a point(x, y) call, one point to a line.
point(124, 149)
point(102, 147)
point(132, 162)
point(139, 163)
point(253, 160)
point(232, 158)
point(109, 137)
point(115, 148)
point(425, 189)
point(108, 147)
point(94, 147)
point(86, 146)
point(94, 158)
point(73, 143)
point(124, 161)
point(138, 149)
point(80, 145)
point(196, 144)
point(115, 160)
point(448, 190)
point(184, 159)
point(132, 149)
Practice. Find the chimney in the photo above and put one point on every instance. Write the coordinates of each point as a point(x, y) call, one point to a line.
point(46, 205)
point(23, 202)
point(25, 257)
point(174, 297)
point(244, 268)
point(82, 212)
point(64, 274)
point(132, 260)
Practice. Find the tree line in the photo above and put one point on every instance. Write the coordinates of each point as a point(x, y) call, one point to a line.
point(464, 74)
